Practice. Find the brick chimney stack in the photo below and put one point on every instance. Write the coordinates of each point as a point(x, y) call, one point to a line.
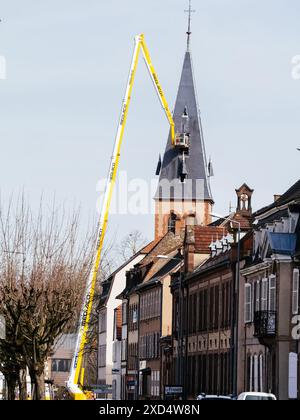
point(189, 243)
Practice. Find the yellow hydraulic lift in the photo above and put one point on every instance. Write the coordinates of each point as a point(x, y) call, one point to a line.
point(76, 379)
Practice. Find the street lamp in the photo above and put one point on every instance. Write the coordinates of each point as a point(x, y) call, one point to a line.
point(235, 306)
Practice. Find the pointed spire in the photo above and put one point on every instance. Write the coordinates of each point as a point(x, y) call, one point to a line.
point(186, 117)
point(189, 32)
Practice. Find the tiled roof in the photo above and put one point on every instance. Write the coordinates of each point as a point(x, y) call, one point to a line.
point(205, 235)
point(148, 248)
point(245, 221)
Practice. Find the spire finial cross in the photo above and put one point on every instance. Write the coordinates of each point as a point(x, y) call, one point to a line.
point(189, 33)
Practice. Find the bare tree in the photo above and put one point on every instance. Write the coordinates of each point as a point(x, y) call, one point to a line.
point(130, 245)
point(44, 265)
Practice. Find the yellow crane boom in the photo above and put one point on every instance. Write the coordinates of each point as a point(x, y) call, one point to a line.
point(75, 382)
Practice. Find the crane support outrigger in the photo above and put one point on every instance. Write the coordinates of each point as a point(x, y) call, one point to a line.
point(76, 379)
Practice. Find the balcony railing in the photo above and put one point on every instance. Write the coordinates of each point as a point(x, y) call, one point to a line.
point(265, 324)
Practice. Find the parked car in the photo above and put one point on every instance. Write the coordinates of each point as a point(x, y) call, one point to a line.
point(204, 397)
point(256, 396)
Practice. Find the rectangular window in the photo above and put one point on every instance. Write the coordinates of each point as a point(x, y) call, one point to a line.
point(229, 301)
point(272, 293)
point(124, 313)
point(211, 303)
point(102, 356)
point(152, 309)
point(295, 298)
point(248, 303)
point(223, 306)
point(102, 321)
point(264, 295)
point(257, 297)
point(217, 308)
point(124, 350)
point(114, 352)
point(142, 308)
point(135, 316)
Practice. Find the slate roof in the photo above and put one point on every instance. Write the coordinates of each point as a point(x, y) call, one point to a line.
point(195, 162)
point(292, 194)
point(274, 217)
point(283, 243)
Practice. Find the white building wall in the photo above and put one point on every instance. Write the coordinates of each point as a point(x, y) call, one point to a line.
point(116, 377)
point(107, 338)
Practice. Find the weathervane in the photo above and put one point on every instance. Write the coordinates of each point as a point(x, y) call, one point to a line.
point(189, 33)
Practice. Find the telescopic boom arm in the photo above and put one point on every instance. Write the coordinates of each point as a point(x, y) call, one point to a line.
point(76, 379)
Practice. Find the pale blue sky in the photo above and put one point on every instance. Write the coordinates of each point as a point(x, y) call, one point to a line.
point(68, 61)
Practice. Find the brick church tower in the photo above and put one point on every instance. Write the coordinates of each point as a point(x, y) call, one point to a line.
point(184, 175)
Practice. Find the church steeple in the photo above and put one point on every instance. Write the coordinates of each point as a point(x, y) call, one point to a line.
point(186, 170)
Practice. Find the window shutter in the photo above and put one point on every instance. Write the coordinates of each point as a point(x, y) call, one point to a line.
point(261, 371)
point(272, 293)
point(295, 299)
point(252, 301)
point(248, 303)
point(256, 373)
point(264, 295)
point(251, 374)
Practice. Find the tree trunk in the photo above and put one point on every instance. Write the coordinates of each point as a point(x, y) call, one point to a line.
point(22, 385)
point(38, 386)
point(11, 382)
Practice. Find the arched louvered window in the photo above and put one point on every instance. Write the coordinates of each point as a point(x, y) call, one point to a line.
point(172, 223)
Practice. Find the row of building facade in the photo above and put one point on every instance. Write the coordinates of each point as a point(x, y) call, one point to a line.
point(193, 315)
point(208, 306)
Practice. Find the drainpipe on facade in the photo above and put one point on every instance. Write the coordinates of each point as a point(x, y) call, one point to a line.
point(185, 366)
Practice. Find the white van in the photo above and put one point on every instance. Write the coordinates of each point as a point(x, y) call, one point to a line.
point(256, 396)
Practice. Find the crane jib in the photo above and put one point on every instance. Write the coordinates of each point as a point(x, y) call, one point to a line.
point(76, 378)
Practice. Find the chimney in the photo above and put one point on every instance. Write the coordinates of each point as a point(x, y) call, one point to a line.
point(276, 197)
point(190, 219)
point(189, 246)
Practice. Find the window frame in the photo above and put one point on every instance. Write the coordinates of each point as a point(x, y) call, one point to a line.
point(272, 293)
point(248, 303)
point(295, 292)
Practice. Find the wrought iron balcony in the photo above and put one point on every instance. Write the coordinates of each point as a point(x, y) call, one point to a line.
point(265, 324)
